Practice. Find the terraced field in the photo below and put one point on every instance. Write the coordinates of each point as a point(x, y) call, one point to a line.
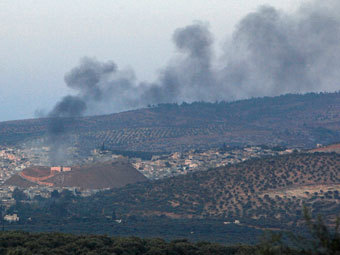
point(290, 120)
point(267, 192)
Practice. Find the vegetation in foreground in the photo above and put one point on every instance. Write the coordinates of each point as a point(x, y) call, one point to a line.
point(318, 240)
point(57, 243)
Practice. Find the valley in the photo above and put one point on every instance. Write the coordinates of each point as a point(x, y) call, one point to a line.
point(197, 180)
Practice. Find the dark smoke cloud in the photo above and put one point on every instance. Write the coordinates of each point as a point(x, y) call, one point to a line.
point(273, 53)
point(269, 53)
point(95, 83)
point(189, 77)
point(89, 78)
point(70, 106)
point(63, 113)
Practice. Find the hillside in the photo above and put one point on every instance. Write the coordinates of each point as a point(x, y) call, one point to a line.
point(95, 176)
point(290, 120)
point(266, 193)
point(329, 148)
point(261, 192)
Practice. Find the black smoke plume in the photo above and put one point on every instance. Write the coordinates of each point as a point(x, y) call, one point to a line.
point(63, 113)
point(272, 53)
point(269, 53)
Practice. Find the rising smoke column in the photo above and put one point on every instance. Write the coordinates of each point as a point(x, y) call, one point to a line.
point(189, 77)
point(90, 79)
point(63, 113)
point(269, 53)
point(87, 80)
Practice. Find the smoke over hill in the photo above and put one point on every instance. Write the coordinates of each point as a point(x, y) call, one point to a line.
point(269, 53)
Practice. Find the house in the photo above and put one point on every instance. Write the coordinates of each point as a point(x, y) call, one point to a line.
point(56, 168)
point(229, 222)
point(60, 169)
point(11, 218)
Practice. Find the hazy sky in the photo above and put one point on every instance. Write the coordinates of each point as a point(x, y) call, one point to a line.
point(42, 40)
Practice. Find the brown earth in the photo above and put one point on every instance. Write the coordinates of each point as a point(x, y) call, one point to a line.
point(17, 180)
point(36, 171)
point(96, 176)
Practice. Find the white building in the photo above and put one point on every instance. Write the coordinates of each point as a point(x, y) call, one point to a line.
point(11, 218)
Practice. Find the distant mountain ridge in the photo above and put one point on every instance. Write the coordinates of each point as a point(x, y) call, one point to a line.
point(291, 120)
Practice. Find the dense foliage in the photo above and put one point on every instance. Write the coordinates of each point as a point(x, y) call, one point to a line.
point(57, 243)
point(318, 240)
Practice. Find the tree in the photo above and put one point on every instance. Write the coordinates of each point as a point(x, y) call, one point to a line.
point(320, 240)
point(55, 194)
point(19, 195)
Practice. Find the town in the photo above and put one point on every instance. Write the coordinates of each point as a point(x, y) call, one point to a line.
point(14, 159)
point(162, 166)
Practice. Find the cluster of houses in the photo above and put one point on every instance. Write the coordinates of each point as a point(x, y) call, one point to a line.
point(14, 160)
point(185, 162)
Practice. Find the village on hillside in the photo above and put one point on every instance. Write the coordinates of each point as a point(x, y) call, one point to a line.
point(13, 160)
